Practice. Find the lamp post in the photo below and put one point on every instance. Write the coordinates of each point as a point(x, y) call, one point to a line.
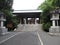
point(3, 30)
point(54, 18)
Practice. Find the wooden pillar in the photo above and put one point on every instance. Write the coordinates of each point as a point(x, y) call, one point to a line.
point(34, 20)
point(26, 20)
point(39, 20)
point(22, 20)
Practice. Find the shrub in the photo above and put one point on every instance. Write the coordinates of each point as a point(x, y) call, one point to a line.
point(11, 23)
point(46, 26)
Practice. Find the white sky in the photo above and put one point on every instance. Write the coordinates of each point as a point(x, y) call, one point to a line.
point(26, 4)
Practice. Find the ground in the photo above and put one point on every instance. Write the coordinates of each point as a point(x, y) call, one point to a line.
point(29, 35)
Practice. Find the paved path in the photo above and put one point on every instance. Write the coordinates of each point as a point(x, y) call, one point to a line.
point(7, 36)
point(49, 39)
point(25, 38)
point(31, 35)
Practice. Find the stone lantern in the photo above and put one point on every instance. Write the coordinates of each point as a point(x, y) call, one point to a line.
point(3, 30)
point(54, 18)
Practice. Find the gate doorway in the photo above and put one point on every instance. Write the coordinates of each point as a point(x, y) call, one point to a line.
point(28, 16)
point(29, 21)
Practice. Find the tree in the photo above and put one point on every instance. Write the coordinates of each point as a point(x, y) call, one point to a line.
point(6, 4)
point(6, 8)
point(46, 7)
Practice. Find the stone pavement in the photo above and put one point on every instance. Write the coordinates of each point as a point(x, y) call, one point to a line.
point(29, 27)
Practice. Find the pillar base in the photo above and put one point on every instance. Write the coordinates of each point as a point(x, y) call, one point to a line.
point(54, 29)
point(3, 31)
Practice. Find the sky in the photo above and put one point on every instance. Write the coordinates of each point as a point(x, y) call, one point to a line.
point(26, 4)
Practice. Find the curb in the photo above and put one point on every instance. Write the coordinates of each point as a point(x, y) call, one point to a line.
point(54, 34)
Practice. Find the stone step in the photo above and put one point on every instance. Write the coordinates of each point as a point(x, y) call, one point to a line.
point(29, 27)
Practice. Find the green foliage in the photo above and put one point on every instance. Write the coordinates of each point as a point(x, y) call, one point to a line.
point(15, 22)
point(11, 20)
point(46, 7)
point(6, 4)
point(46, 26)
point(49, 4)
point(6, 8)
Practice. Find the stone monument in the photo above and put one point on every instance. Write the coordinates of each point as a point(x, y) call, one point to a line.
point(54, 18)
point(3, 30)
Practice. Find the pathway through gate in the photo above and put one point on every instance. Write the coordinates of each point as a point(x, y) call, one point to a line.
point(29, 27)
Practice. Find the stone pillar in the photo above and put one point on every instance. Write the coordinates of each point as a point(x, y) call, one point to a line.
point(53, 23)
point(24, 20)
point(3, 30)
point(55, 17)
point(2, 21)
